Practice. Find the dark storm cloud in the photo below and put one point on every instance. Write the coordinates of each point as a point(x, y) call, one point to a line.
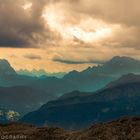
point(33, 56)
point(13, 42)
point(20, 27)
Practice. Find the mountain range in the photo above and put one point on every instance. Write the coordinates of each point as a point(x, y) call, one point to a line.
point(40, 73)
point(29, 92)
point(97, 77)
point(75, 112)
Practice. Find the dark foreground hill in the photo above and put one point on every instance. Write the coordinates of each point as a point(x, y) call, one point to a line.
point(127, 128)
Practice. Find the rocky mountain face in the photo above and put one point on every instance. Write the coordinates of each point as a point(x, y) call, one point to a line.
point(127, 128)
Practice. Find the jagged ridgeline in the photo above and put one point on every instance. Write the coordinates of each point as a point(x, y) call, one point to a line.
point(24, 93)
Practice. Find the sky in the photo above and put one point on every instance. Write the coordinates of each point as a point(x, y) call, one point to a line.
point(65, 35)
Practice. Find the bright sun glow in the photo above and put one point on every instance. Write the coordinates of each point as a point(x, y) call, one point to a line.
point(27, 6)
point(88, 30)
point(89, 36)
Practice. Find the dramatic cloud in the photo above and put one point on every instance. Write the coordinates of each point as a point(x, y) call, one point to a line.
point(21, 27)
point(120, 11)
point(69, 34)
point(123, 13)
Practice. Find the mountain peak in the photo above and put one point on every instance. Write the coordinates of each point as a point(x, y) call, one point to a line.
point(124, 64)
point(4, 61)
point(121, 58)
point(5, 68)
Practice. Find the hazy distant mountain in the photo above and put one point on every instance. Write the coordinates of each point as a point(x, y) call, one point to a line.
point(90, 79)
point(120, 66)
point(9, 78)
point(50, 88)
point(97, 77)
point(82, 111)
point(53, 85)
point(40, 73)
point(25, 93)
point(5, 68)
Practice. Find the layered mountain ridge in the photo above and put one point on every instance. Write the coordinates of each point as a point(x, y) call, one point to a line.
point(80, 111)
point(38, 90)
